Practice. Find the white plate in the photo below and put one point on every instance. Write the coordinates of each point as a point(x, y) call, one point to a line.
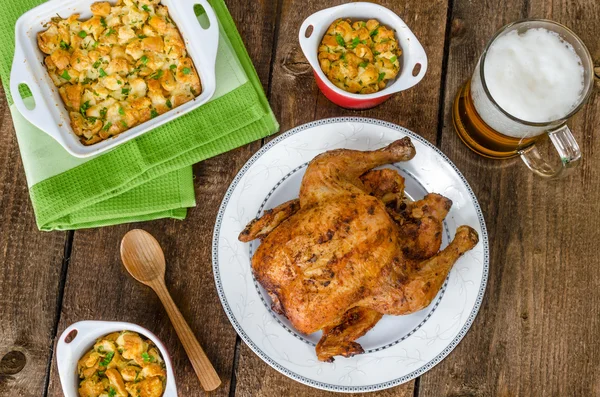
point(398, 348)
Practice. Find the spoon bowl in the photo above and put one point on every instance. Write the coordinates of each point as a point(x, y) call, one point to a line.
point(142, 256)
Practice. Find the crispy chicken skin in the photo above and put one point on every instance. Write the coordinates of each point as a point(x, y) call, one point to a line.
point(350, 249)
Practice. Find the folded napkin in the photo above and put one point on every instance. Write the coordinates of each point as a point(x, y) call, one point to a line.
point(149, 177)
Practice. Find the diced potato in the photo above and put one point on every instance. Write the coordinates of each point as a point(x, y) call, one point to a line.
point(101, 8)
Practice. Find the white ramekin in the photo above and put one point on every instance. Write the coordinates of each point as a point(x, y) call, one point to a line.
point(50, 114)
point(68, 353)
point(413, 53)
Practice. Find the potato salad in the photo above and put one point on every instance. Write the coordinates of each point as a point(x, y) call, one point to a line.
point(125, 65)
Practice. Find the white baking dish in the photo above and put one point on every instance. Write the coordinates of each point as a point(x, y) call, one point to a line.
point(50, 114)
point(68, 353)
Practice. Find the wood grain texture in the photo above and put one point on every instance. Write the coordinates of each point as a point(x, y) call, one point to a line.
point(30, 270)
point(536, 333)
point(98, 286)
point(296, 99)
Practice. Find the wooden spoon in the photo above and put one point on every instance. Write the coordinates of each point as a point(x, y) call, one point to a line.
point(144, 260)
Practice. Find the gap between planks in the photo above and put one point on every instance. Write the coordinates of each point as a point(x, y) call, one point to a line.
point(59, 301)
point(443, 80)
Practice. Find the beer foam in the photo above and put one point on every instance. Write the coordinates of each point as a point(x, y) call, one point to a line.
point(535, 76)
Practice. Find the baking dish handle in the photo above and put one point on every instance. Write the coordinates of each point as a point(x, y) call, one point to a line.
point(68, 353)
point(40, 115)
point(417, 57)
point(205, 41)
point(308, 38)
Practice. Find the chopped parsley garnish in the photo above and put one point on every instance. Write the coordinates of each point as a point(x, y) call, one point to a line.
point(355, 42)
point(110, 31)
point(101, 348)
point(186, 70)
point(340, 40)
point(82, 34)
point(103, 114)
point(153, 114)
point(121, 112)
point(123, 123)
point(109, 355)
point(146, 8)
point(65, 75)
point(169, 104)
point(173, 67)
point(381, 77)
point(112, 392)
point(343, 56)
point(144, 59)
point(97, 64)
point(124, 91)
point(119, 82)
point(148, 358)
point(376, 52)
point(102, 72)
point(95, 44)
point(64, 45)
point(103, 22)
point(363, 64)
point(158, 74)
point(100, 373)
point(84, 107)
point(393, 59)
point(374, 32)
point(107, 126)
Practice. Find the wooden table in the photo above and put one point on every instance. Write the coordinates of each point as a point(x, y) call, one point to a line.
point(538, 328)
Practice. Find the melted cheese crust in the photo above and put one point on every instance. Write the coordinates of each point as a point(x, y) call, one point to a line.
point(125, 65)
point(360, 57)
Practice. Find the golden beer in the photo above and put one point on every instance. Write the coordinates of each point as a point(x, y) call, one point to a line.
point(477, 135)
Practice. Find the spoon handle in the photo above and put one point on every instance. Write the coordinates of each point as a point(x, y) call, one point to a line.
point(204, 370)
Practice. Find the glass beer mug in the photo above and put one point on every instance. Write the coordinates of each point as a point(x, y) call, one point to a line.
point(508, 104)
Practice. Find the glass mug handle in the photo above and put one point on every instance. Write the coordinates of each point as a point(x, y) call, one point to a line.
point(567, 148)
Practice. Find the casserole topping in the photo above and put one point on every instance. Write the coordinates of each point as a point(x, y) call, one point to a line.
point(360, 57)
point(122, 364)
point(125, 65)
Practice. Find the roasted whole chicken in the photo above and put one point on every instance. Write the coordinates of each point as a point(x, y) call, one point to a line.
point(351, 248)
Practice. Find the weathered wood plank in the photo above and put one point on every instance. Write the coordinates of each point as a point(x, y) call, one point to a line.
point(296, 100)
point(30, 272)
point(536, 333)
point(98, 287)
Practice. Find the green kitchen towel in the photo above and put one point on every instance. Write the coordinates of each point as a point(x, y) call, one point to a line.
point(149, 177)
